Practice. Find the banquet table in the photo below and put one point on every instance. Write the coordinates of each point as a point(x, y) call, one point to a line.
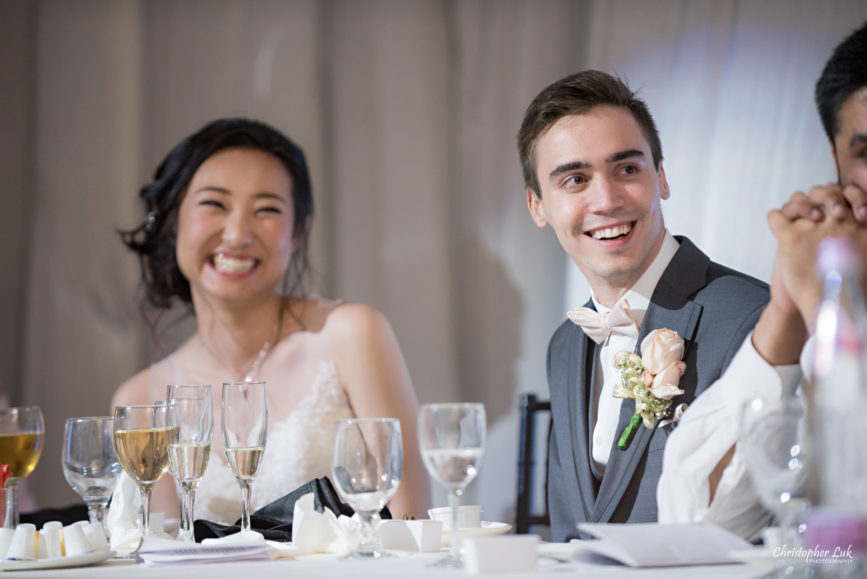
point(554, 561)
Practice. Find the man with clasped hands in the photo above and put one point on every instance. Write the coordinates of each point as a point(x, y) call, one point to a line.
point(592, 165)
point(832, 209)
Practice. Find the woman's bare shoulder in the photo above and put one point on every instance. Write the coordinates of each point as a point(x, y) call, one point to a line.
point(350, 320)
point(318, 314)
point(133, 391)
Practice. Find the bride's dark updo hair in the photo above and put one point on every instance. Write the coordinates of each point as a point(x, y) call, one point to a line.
point(154, 240)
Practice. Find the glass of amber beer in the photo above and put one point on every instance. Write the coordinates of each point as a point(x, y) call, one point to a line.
point(22, 435)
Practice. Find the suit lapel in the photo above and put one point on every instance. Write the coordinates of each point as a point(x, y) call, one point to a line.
point(583, 348)
point(670, 307)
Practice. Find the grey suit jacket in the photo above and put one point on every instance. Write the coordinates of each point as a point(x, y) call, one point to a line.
point(712, 308)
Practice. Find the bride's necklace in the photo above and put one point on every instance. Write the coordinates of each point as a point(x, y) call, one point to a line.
point(260, 357)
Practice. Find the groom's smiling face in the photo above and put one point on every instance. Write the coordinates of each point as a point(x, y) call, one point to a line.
point(601, 194)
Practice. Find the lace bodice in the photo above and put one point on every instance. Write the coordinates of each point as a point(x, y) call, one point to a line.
point(298, 448)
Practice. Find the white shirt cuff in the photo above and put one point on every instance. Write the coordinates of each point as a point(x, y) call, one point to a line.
point(749, 377)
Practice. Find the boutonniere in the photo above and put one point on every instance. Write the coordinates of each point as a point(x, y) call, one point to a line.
point(651, 380)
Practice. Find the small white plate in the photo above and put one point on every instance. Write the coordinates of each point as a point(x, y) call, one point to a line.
point(487, 529)
point(58, 562)
point(760, 558)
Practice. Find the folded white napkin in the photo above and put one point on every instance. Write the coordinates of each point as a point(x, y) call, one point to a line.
point(242, 538)
point(312, 532)
point(315, 532)
point(661, 545)
point(124, 517)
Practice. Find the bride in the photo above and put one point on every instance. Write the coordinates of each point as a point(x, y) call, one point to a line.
point(228, 220)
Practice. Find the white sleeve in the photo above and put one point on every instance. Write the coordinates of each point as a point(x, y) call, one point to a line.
point(705, 433)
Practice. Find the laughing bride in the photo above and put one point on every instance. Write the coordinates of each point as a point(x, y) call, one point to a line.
point(228, 218)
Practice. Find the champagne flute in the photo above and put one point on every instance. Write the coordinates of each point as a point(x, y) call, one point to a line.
point(188, 457)
point(89, 462)
point(367, 465)
point(22, 434)
point(452, 441)
point(245, 428)
point(772, 440)
point(142, 435)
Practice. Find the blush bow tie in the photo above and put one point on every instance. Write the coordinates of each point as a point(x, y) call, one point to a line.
point(599, 326)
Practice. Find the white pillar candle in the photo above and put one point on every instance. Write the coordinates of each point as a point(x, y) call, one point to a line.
point(50, 541)
point(95, 535)
point(23, 546)
point(76, 542)
point(5, 540)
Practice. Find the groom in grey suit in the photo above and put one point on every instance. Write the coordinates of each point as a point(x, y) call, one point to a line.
point(592, 164)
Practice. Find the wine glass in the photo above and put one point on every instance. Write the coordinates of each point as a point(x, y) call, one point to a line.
point(452, 442)
point(142, 435)
point(89, 462)
point(772, 439)
point(245, 428)
point(188, 457)
point(22, 434)
point(367, 465)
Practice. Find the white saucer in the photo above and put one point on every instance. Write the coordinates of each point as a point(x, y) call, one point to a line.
point(487, 529)
point(82, 560)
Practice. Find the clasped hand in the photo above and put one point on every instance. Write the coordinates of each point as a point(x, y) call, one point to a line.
point(799, 226)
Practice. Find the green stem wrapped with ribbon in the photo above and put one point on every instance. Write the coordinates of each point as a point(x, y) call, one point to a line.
point(629, 432)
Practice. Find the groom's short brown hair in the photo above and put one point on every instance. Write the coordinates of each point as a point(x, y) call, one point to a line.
point(576, 94)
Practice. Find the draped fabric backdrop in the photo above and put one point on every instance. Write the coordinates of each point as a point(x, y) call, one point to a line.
point(408, 112)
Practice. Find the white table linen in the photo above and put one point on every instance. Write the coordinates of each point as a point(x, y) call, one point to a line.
point(404, 565)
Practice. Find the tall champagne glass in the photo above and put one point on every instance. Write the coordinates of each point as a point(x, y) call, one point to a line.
point(245, 428)
point(142, 435)
point(452, 442)
point(367, 465)
point(89, 462)
point(22, 434)
point(188, 457)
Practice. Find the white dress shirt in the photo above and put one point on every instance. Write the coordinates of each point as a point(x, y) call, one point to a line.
point(606, 405)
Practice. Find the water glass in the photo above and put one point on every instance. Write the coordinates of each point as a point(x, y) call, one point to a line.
point(367, 466)
point(452, 443)
point(772, 440)
point(89, 462)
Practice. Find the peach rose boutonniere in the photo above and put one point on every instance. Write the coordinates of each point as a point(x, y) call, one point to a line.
point(651, 380)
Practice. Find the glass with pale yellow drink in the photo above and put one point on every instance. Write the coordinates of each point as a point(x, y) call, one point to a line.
point(142, 436)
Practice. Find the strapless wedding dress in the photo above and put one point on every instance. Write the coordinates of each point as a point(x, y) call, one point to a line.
point(298, 449)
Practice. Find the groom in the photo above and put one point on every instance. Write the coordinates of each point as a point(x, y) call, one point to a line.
point(592, 165)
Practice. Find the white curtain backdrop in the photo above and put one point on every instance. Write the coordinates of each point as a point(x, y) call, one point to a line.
point(408, 112)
